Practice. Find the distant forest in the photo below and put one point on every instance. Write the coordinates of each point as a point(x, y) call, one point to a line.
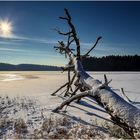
point(27, 67)
point(112, 63)
point(107, 63)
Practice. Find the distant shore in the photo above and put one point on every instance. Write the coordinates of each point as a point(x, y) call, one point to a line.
point(27, 67)
point(105, 63)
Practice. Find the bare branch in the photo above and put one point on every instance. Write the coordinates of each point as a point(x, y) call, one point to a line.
point(68, 86)
point(76, 89)
point(123, 93)
point(73, 31)
point(93, 46)
point(53, 94)
point(63, 18)
point(69, 83)
point(71, 34)
point(61, 33)
point(63, 49)
point(106, 80)
point(67, 102)
point(71, 42)
point(67, 13)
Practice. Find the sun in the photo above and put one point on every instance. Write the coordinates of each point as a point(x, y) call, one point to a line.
point(5, 28)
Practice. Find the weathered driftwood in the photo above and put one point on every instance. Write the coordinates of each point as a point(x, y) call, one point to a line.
point(122, 112)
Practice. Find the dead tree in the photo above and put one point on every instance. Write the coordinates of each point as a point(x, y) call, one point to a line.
point(122, 112)
point(65, 49)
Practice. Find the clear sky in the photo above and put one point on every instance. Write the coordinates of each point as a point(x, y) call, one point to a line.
point(27, 35)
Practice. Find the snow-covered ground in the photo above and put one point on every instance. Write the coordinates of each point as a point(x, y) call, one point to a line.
point(38, 86)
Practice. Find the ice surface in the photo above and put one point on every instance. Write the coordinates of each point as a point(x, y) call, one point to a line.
point(39, 85)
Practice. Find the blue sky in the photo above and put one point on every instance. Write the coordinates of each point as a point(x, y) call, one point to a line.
point(32, 37)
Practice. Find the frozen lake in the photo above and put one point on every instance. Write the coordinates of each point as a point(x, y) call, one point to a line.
point(39, 86)
point(46, 82)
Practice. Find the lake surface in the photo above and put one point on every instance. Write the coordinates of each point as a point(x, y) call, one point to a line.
point(40, 84)
point(19, 75)
point(48, 81)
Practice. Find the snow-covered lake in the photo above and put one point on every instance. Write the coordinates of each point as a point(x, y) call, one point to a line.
point(130, 81)
point(47, 82)
point(41, 84)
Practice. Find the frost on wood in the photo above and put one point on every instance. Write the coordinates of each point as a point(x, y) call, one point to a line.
point(122, 112)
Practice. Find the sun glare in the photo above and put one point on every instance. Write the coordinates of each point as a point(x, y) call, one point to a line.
point(5, 28)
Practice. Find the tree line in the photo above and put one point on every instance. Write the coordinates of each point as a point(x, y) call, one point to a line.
point(27, 67)
point(112, 63)
point(105, 63)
